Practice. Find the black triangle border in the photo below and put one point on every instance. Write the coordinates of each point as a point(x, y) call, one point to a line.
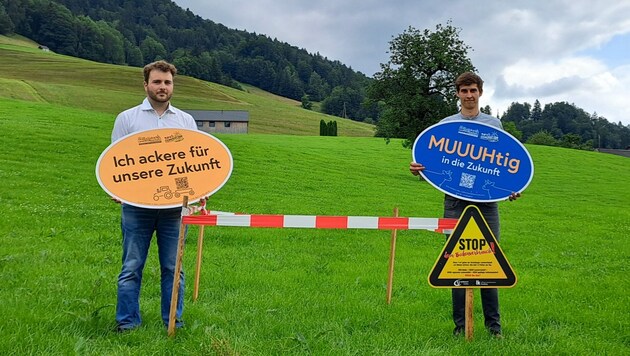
point(472, 212)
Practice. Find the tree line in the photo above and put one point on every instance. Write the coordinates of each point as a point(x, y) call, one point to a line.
point(563, 124)
point(137, 32)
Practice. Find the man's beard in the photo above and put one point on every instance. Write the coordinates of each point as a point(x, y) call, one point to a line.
point(155, 97)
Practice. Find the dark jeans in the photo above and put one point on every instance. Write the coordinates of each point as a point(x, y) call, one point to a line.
point(138, 226)
point(453, 208)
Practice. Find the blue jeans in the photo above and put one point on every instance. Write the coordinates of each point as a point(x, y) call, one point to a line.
point(138, 225)
point(453, 208)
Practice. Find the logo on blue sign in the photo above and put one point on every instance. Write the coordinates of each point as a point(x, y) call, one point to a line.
point(473, 161)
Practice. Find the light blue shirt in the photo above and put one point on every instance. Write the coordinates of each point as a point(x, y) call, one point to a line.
point(143, 117)
point(481, 117)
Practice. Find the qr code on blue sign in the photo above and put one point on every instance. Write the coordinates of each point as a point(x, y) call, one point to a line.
point(467, 180)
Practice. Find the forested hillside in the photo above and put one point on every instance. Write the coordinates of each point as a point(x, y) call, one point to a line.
point(136, 32)
point(564, 124)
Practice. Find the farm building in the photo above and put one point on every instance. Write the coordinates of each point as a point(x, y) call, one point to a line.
point(624, 153)
point(221, 121)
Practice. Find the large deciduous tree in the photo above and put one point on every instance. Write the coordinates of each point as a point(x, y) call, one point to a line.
point(152, 49)
point(415, 89)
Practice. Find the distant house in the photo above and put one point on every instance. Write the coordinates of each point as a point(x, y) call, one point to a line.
point(625, 153)
point(221, 121)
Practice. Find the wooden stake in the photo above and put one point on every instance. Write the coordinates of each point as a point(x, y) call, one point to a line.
point(469, 324)
point(198, 269)
point(178, 268)
point(392, 257)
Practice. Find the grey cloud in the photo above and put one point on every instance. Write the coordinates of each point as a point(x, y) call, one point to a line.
point(503, 90)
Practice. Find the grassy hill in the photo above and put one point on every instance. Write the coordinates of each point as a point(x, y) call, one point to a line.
point(290, 291)
point(27, 73)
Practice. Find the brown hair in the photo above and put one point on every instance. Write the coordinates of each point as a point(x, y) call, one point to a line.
point(469, 78)
point(162, 66)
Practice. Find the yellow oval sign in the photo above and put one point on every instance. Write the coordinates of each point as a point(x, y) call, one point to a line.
point(156, 168)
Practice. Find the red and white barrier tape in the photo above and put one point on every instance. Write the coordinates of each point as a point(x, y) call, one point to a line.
point(441, 225)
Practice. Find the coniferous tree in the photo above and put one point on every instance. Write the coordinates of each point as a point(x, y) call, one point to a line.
point(306, 102)
point(6, 25)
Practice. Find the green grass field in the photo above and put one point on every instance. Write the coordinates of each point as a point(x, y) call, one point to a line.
point(299, 291)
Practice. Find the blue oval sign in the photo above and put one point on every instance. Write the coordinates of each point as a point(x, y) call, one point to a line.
point(473, 161)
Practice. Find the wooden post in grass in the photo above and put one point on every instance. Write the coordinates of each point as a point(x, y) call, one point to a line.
point(392, 257)
point(198, 268)
point(199, 256)
point(469, 323)
point(178, 268)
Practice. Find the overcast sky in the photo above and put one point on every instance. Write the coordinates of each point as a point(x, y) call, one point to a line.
point(554, 50)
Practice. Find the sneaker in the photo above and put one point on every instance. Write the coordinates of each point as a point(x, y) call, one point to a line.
point(458, 331)
point(178, 324)
point(496, 334)
point(124, 328)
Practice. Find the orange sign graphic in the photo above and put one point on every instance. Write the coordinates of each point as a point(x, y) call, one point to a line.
point(155, 168)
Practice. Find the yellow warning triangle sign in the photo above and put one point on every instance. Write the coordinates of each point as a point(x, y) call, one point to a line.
point(472, 257)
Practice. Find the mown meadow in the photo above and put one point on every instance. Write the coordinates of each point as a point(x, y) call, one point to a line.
point(300, 291)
